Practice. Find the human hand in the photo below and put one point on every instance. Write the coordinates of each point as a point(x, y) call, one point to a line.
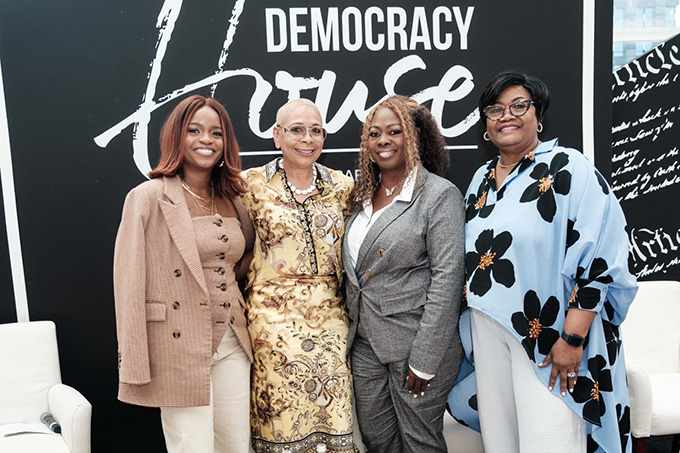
point(565, 361)
point(415, 384)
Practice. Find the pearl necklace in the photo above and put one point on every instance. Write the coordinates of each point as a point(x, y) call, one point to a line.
point(297, 191)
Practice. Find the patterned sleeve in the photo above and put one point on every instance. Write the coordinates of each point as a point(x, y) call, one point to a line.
point(247, 197)
point(347, 186)
point(596, 261)
point(129, 287)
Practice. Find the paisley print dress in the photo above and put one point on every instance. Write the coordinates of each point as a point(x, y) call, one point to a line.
point(552, 238)
point(301, 382)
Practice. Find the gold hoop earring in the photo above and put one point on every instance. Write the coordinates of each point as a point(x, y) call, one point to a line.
point(540, 128)
point(486, 136)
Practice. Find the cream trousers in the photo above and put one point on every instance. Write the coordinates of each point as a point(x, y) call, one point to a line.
point(224, 425)
point(517, 413)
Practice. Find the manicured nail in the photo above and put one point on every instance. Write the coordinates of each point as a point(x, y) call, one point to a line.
point(550, 388)
point(428, 385)
point(415, 396)
point(571, 390)
point(422, 393)
point(564, 393)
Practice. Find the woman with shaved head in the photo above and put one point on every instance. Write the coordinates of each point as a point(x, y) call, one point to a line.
point(301, 392)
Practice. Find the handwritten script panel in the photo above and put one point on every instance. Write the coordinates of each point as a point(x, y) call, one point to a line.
point(646, 158)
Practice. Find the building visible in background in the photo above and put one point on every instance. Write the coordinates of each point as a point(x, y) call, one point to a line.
point(640, 25)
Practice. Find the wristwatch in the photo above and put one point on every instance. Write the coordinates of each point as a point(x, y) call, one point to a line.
point(573, 339)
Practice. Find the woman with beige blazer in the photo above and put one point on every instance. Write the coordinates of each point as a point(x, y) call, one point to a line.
point(403, 255)
point(183, 345)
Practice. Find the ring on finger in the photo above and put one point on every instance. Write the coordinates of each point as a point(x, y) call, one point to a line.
point(571, 375)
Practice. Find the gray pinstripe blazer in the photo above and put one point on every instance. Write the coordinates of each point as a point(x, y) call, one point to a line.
point(407, 285)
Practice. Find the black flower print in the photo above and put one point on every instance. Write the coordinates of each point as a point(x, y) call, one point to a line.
point(601, 181)
point(583, 296)
point(487, 259)
point(526, 161)
point(589, 391)
point(611, 333)
point(623, 416)
point(472, 402)
point(463, 300)
point(591, 446)
point(534, 324)
point(477, 203)
point(462, 422)
point(549, 180)
point(572, 234)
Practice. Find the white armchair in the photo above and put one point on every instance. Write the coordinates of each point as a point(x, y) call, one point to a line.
point(30, 385)
point(651, 342)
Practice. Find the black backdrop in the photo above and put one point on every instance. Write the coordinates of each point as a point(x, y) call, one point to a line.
point(72, 71)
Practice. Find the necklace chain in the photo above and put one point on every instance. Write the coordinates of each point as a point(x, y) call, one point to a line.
point(197, 198)
point(508, 165)
point(388, 191)
point(538, 142)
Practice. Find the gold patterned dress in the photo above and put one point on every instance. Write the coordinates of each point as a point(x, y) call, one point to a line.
point(301, 383)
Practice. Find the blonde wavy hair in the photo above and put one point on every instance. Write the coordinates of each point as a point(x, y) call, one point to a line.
point(423, 142)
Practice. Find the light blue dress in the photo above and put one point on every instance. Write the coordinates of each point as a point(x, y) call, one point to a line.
point(552, 237)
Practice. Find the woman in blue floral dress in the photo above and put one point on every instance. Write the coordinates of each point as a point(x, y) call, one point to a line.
point(547, 286)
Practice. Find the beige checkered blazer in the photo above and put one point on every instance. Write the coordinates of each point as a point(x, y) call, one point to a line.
point(163, 312)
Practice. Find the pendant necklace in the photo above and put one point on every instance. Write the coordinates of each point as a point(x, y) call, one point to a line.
point(388, 191)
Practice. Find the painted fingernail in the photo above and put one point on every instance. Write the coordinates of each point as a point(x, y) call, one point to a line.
point(550, 388)
point(415, 396)
point(422, 393)
point(564, 393)
point(428, 385)
point(571, 390)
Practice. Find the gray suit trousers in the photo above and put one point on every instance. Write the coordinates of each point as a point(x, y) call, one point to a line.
point(390, 419)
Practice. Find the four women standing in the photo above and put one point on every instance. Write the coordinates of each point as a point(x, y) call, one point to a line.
point(181, 319)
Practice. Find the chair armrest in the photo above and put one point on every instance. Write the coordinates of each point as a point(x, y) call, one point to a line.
point(640, 390)
point(74, 413)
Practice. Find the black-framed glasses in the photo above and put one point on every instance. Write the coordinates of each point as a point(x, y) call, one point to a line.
point(316, 132)
point(518, 108)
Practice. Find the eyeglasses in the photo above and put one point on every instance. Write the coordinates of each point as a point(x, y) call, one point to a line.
point(316, 132)
point(496, 111)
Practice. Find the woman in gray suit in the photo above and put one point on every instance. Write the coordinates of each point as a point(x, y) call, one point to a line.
point(403, 255)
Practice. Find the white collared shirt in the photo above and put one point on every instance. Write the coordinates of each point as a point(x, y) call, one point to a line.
point(366, 218)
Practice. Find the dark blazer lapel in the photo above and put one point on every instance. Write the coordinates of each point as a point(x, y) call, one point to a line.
point(386, 218)
point(181, 228)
